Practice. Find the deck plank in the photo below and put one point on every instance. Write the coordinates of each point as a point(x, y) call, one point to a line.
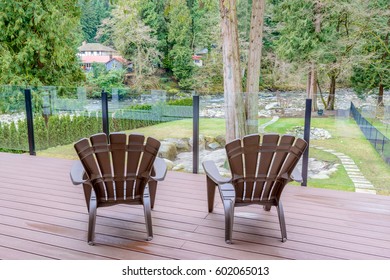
point(43, 216)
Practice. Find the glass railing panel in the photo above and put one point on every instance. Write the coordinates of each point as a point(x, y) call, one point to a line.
point(166, 116)
point(63, 115)
point(13, 124)
point(349, 150)
point(342, 154)
point(131, 109)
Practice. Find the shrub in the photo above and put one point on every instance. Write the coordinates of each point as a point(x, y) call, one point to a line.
point(145, 107)
point(180, 102)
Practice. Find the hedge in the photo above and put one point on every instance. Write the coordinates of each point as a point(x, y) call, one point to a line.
point(61, 130)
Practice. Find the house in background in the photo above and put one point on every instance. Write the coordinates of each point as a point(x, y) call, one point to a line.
point(197, 60)
point(97, 53)
point(118, 62)
point(197, 57)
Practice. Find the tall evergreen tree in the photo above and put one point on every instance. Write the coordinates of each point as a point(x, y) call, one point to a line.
point(93, 12)
point(179, 38)
point(371, 72)
point(301, 36)
point(152, 14)
point(89, 20)
point(38, 42)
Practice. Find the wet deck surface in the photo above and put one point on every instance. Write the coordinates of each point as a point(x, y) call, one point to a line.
point(43, 216)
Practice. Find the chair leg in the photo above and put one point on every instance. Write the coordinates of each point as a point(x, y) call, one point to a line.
point(152, 192)
point(92, 218)
point(148, 217)
point(87, 194)
point(267, 208)
point(282, 221)
point(228, 206)
point(210, 194)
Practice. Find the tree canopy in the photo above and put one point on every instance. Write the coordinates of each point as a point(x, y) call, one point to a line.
point(38, 42)
point(346, 41)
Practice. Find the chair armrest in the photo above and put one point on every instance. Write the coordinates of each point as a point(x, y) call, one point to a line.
point(296, 175)
point(212, 172)
point(160, 169)
point(77, 173)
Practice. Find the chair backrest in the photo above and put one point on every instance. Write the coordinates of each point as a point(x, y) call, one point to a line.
point(118, 170)
point(261, 169)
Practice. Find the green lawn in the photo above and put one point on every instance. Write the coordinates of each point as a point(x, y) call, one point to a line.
point(346, 138)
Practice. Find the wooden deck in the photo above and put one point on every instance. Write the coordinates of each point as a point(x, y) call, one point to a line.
point(43, 216)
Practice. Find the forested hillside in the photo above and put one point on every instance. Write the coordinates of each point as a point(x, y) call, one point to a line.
point(333, 42)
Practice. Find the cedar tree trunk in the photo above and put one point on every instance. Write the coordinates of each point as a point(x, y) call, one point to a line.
point(254, 65)
point(234, 104)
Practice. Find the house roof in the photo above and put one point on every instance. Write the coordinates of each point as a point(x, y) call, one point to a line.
point(85, 47)
point(120, 59)
point(202, 51)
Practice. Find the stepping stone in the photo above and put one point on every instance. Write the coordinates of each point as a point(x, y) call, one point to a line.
point(354, 173)
point(356, 177)
point(344, 157)
point(365, 191)
point(351, 168)
point(352, 165)
point(364, 186)
point(329, 151)
point(361, 181)
point(347, 161)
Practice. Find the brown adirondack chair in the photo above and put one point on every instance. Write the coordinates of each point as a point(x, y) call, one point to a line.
point(260, 171)
point(125, 171)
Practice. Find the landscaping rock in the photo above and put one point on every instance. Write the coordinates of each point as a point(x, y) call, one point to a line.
point(315, 133)
point(202, 142)
point(214, 146)
point(182, 144)
point(221, 140)
point(168, 150)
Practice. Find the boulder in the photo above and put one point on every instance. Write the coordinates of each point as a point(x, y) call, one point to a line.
point(213, 145)
point(182, 144)
point(167, 150)
point(221, 140)
point(202, 142)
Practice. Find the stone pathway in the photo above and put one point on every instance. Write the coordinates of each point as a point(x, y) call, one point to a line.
point(362, 185)
point(261, 127)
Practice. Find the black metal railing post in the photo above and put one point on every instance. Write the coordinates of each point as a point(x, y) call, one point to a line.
point(30, 121)
point(106, 127)
point(306, 136)
point(195, 134)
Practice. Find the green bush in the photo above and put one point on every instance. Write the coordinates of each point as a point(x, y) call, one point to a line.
point(61, 130)
point(180, 102)
point(22, 134)
point(145, 107)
